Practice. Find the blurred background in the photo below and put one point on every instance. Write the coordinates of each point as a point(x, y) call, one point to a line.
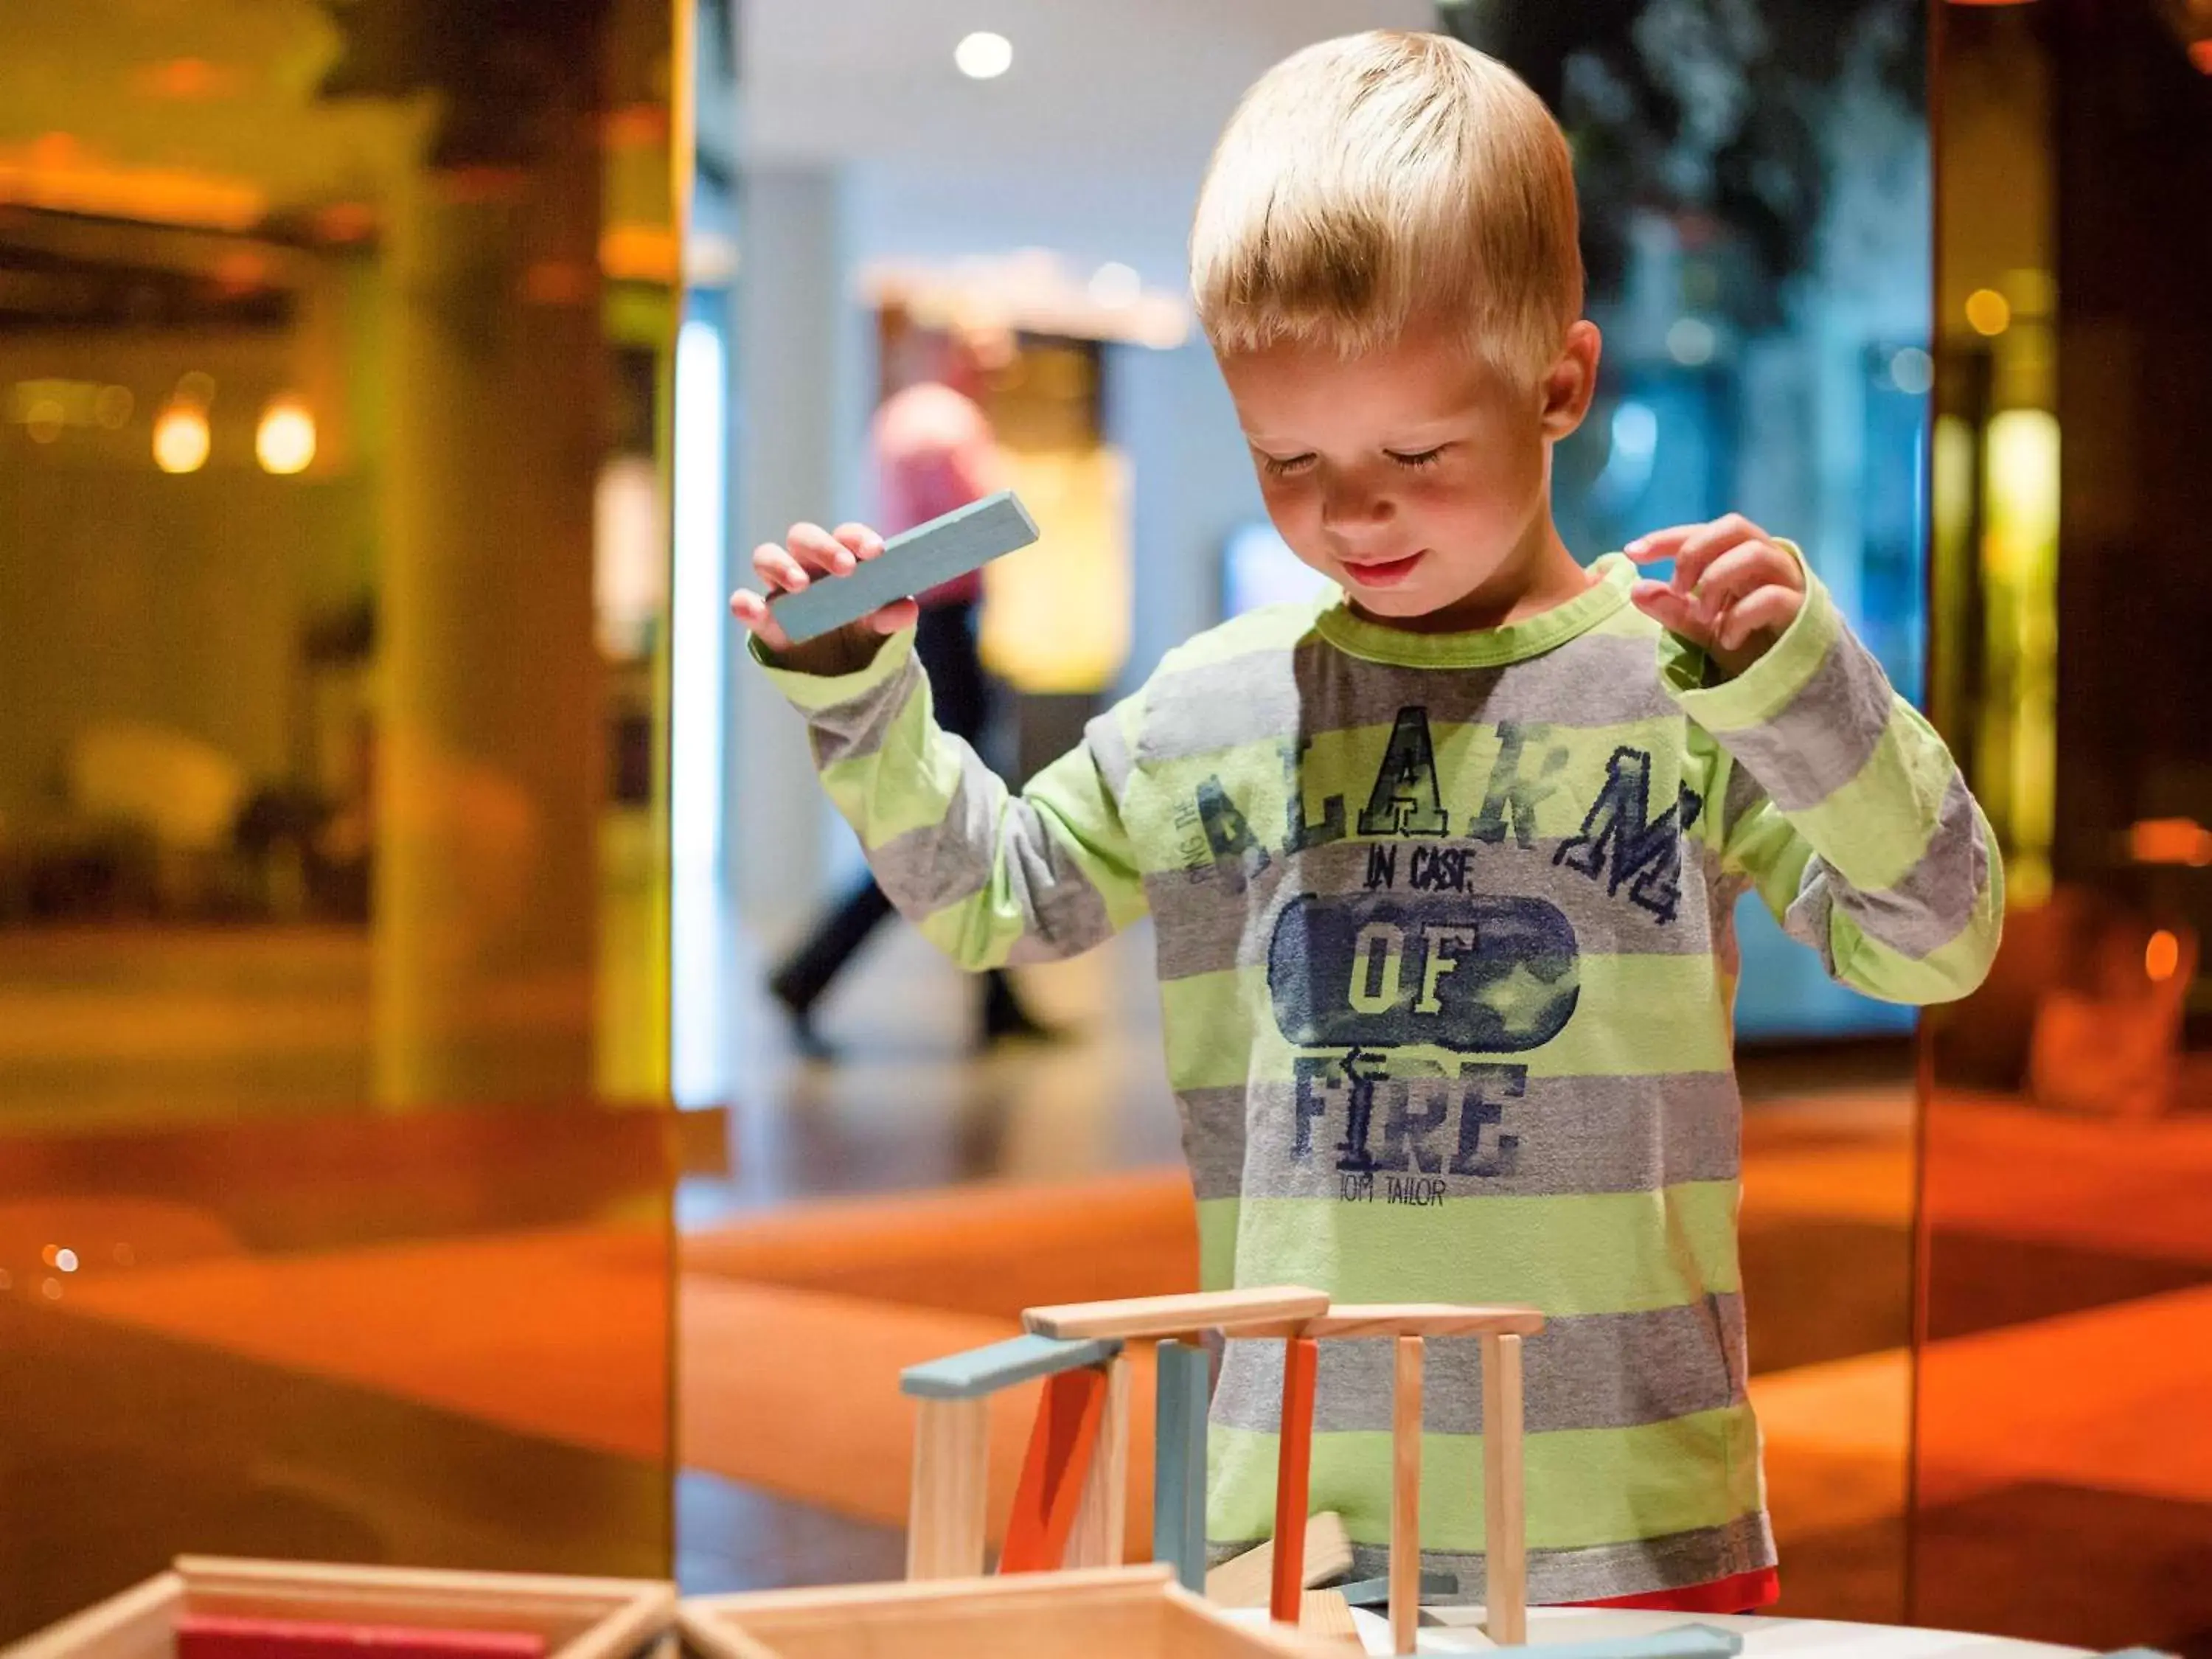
point(458, 1102)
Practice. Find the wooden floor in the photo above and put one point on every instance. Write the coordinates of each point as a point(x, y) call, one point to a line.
point(454, 1339)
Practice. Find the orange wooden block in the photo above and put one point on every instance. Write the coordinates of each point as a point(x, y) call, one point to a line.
point(1293, 1477)
point(1051, 1487)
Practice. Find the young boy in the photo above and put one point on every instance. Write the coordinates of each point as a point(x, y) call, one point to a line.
point(1442, 870)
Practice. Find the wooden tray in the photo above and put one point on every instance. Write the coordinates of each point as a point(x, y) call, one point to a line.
point(578, 1618)
point(1118, 1612)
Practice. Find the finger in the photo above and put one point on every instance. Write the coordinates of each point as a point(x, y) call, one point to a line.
point(895, 618)
point(863, 542)
point(1708, 544)
point(1668, 608)
point(779, 572)
point(1742, 569)
point(1768, 608)
point(1660, 545)
point(753, 611)
point(818, 550)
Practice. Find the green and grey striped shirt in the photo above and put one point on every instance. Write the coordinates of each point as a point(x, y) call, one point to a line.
point(1447, 961)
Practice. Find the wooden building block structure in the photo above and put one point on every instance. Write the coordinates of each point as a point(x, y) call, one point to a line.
point(1122, 1613)
point(371, 1610)
point(1069, 1505)
point(1182, 1378)
point(1078, 1347)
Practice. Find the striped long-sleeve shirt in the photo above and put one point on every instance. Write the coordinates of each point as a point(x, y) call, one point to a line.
point(1447, 961)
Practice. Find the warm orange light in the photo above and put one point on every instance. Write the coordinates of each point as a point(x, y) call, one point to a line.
point(2200, 53)
point(345, 221)
point(181, 439)
point(56, 171)
point(241, 272)
point(638, 253)
point(188, 80)
point(285, 443)
point(1989, 310)
point(2162, 956)
point(2170, 840)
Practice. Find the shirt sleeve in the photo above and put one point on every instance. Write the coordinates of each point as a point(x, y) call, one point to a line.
point(990, 876)
point(1841, 805)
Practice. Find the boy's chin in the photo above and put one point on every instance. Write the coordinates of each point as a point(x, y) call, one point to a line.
point(1407, 604)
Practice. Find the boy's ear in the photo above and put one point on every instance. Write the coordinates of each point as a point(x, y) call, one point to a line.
point(1571, 382)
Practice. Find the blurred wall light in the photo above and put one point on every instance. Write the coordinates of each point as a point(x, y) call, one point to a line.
point(181, 439)
point(984, 56)
point(2170, 840)
point(2162, 956)
point(285, 443)
point(699, 683)
point(1989, 310)
point(1912, 371)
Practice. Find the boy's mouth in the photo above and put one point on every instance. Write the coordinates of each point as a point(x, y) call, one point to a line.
point(1388, 573)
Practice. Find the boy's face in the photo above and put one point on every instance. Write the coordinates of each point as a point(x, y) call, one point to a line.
point(1414, 475)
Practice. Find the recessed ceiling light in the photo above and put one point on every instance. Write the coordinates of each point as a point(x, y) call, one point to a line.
point(984, 56)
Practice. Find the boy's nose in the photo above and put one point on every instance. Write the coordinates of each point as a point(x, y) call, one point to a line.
point(1347, 507)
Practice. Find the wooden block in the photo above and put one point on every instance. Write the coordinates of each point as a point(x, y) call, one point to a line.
point(1248, 1580)
point(945, 1515)
point(1406, 1497)
point(1327, 1614)
point(1293, 1476)
point(1102, 1510)
point(1682, 1641)
point(572, 1618)
point(1178, 1315)
point(1504, 1524)
point(912, 562)
point(1133, 1612)
point(1060, 1447)
point(579, 1618)
point(214, 1636)
point(979, 1372)
point(1182, 1381)
point(1376, 1592)
point(1424, 1319)
point(131, 1624)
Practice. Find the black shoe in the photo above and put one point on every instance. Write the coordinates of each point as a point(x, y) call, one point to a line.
point(1005, 1020)
point(806, 1040)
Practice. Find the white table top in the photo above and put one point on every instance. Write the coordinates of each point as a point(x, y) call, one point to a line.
point(1457, 1629)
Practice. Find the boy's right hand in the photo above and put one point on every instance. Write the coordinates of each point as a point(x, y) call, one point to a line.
point(807, 552)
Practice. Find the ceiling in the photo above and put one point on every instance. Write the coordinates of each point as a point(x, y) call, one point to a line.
point(1142, 85)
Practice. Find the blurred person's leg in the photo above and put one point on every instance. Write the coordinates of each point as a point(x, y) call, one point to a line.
point(807, 972)
point(946, 642)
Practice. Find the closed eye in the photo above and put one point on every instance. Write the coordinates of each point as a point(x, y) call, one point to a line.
point(1426, 458)
point(1283, 468)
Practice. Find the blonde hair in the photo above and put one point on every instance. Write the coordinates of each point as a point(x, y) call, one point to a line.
point(1385, 178)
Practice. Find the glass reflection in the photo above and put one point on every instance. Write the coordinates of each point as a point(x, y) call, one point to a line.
point(334, 346)
point(2060, 1486)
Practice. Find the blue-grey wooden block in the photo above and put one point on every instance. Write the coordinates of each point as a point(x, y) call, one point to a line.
point(1185, 1378)
point(1682, 1641)
point(1376, 1592)
point(911, 562)
point(979, 1371)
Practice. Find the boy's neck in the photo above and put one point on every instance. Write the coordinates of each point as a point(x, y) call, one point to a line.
point(1540, 575)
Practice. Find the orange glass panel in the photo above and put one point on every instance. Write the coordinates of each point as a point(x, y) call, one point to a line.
point(335, 1166)
point(2062, 1475)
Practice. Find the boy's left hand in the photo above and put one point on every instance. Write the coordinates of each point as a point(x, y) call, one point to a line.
point(1735, 592)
